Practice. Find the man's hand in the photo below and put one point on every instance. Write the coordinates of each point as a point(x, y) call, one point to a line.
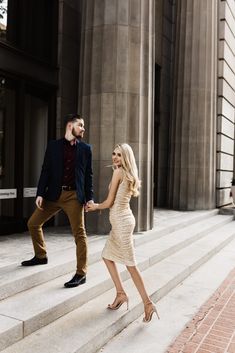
point(87, 204)
point(92, 207)
point(39, 201)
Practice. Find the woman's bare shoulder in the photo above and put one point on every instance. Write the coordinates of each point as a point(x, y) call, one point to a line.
point(118, 172)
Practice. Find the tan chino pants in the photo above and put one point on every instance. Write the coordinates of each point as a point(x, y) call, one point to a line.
point(69, 203)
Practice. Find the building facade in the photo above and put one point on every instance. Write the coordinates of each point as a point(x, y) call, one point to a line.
point(157, 74)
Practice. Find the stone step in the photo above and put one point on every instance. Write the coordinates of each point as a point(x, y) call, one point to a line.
point(18, 247)
point(165, 246)
point(177, 308)
point(15, 279)
point(41, 305)
point(90, 326)
point(180, 221)
point(227, 210)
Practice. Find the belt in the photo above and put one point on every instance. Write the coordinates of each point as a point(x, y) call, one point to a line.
point(67, 188)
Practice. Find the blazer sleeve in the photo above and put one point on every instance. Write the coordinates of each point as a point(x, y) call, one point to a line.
point(44, 176)
point(89, 176)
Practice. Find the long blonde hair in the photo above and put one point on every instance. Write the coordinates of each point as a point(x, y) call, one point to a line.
point(129, 167)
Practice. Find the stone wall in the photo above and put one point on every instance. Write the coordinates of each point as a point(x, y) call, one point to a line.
point(116, 94)
point(165, 14)
point(192, 156)
point(69, 34)
point(226, 102)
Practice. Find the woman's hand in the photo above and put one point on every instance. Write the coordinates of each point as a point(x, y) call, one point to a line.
point(92, 207)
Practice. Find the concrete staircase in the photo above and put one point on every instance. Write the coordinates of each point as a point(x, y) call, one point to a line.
point(37, 314)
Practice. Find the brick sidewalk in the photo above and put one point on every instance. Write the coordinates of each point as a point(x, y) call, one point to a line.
point(212, 330)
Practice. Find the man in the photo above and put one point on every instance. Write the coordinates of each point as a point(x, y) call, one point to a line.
point(65, 184)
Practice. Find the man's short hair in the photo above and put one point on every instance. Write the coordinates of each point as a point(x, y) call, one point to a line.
point(71, 118)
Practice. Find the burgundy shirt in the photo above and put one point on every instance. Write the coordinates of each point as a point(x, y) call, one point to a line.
point(69, 164)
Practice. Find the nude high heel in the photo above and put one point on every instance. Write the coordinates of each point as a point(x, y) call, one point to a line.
point(149, 309)
point(120, 299)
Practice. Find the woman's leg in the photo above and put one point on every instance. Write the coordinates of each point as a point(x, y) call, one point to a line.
point(112, 268)
point(138, 281)
point(149, 308)
point(121, 296)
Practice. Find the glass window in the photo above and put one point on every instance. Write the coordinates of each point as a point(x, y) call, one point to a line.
point(7, 151)
point(2, 118)
point(25, 122)
point(7, 131)
point(35, 141)
point(3, 18)
point(31, 26)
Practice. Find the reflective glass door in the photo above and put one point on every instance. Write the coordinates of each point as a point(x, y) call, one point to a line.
point(27, 117)
point(8, 191)
point(35, 141)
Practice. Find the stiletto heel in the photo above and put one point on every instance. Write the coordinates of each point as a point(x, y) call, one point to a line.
point(155, 309)
point(149, 311)
point(120, 299)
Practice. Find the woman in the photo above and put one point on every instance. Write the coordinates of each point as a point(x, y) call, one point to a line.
point(119, 246)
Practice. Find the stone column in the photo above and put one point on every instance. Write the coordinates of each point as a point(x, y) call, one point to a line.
point(116, 94)
point(69, 30)
point(193, 126)
point(226, 103)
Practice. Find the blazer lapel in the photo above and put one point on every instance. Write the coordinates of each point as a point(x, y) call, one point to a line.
point(60, 157)
point(79, 151)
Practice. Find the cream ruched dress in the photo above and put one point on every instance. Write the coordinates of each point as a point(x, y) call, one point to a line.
point(119, 245)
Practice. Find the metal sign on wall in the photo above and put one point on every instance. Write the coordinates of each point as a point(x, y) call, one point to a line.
point(30, 192)
point(8, 193)
point(12, 193)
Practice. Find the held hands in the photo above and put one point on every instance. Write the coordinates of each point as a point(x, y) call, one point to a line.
point(91, 207)
point(88, 203)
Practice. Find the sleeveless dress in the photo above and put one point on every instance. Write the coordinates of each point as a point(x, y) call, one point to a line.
point(119, 245)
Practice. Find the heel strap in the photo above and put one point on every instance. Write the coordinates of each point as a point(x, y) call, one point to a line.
point(121, 293)
point(148, 303)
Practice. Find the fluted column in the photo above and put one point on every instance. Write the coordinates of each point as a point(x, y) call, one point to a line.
point(193, 126)
point(116, 83)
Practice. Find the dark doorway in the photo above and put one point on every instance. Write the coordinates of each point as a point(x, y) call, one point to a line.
point(27, 121)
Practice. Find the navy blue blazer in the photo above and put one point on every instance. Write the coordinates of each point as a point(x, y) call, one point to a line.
point(50, 181)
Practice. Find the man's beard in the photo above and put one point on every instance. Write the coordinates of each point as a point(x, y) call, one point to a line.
point(75, 135)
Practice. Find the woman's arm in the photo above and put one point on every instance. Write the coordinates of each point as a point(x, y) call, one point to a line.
point(116, 179)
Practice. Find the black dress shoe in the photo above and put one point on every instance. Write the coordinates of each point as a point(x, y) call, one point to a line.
point(76, 281)
point(35, 261)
